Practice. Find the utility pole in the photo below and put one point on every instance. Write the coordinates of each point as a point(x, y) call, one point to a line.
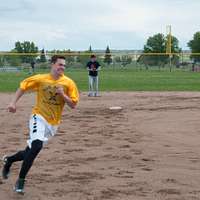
point(169, 45)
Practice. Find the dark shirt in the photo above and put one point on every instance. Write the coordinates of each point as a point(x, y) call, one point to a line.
point(93, 67)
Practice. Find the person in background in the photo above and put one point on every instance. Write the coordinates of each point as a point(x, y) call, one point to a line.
point(93, 67)
point(32, 67)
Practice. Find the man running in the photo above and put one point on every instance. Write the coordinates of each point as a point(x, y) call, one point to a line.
point(53, 90)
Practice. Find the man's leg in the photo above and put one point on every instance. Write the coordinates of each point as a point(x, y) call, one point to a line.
point(96, 86)
point(9, 160)
point(29, 158)
point(90, 86)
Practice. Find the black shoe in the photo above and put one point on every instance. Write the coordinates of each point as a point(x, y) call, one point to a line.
point(19, 186)
point(6, 168)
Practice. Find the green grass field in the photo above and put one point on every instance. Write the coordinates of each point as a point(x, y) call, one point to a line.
point(120, 80)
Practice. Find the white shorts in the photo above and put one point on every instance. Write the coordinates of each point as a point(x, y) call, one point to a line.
point(40, 129)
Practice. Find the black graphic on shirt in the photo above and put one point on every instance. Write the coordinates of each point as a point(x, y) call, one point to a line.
point(51, 97)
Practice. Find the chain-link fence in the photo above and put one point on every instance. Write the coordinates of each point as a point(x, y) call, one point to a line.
point(32, 62)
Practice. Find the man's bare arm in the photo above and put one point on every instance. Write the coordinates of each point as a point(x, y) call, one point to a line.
point(12, 106)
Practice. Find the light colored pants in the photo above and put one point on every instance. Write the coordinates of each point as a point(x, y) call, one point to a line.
point(93, 85)
point(40, 129)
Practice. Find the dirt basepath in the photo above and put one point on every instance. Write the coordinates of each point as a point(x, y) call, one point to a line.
point(147, 151)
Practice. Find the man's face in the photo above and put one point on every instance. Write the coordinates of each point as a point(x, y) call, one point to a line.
point(59, 67)
point(93, 59)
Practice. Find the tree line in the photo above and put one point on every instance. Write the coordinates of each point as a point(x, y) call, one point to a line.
point(154, 44)
point(31, 53)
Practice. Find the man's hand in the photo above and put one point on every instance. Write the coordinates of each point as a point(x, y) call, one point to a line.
point(11, 108)
point(60, 91)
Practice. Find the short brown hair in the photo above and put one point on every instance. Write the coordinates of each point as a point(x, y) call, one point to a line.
point(56, 57)
point(92, 56)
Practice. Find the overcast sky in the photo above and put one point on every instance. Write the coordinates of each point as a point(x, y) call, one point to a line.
point(76, 24)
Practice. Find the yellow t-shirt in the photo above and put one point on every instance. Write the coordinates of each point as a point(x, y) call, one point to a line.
point(49, 104)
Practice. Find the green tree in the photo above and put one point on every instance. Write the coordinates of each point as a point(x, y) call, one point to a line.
point(90, 48)
point(194, 45)
point(108, 56)
point(43, 56)
point(155, 44)
point(158, 44)
point(19, 47)
point(26, 47)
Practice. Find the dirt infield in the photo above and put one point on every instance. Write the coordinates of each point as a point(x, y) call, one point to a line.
point(148, 150)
